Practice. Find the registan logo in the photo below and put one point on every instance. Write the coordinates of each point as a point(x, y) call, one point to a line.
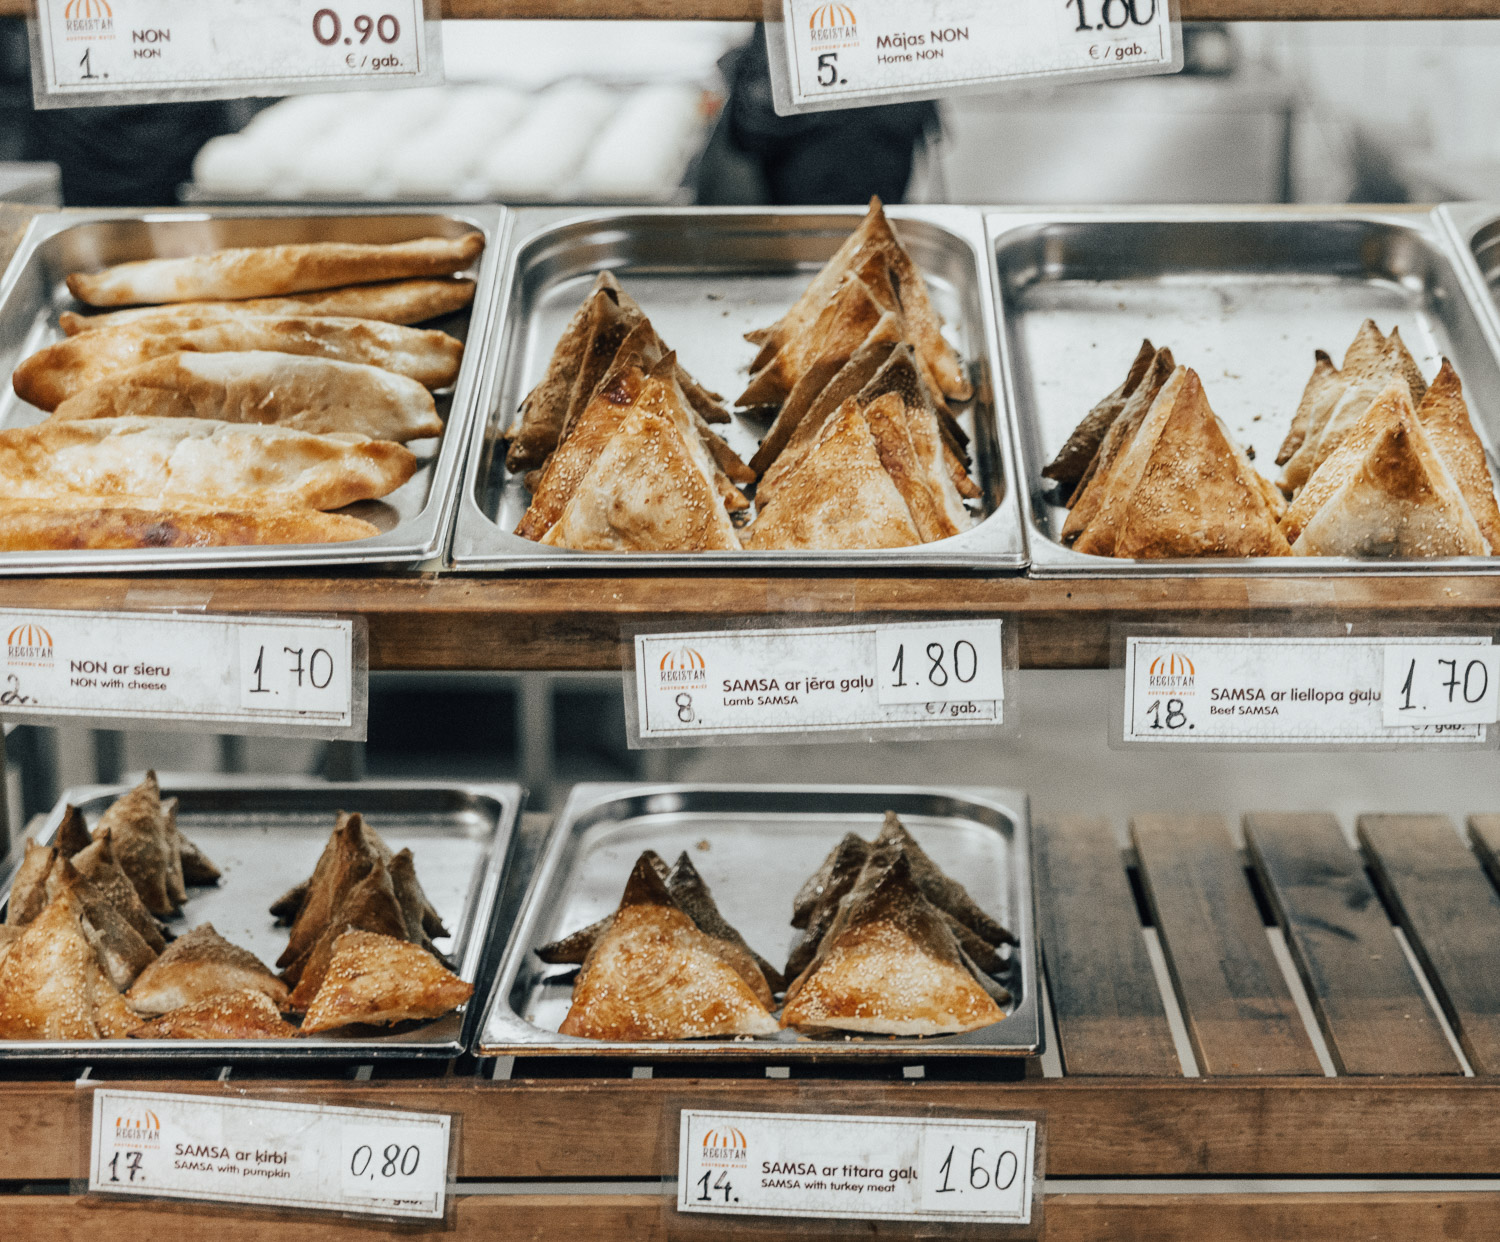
point(725, 1147)
point(833, 23)
point(682, 668)
point(89, 19)
point(141, 1130)
point(29, 643)
point(1173, 672)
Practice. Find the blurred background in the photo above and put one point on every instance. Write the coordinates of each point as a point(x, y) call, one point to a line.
point(662, 113)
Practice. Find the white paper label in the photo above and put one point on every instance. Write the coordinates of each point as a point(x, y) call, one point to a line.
point(1205, 690)
point(269, 1153)
point(847, 1167)
point(266, 46)
point(723, 682)
point(867, 48)
point(1435, 683)
point(178, 667)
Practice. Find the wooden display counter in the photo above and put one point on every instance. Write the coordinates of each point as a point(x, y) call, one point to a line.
point(1401, 1103)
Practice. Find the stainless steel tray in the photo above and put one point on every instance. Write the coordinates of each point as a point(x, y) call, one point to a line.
point(705, 277)
point(265, 838)
point(1474, 230)
point(755, 845)
point(414, 520)
point(1243, 297)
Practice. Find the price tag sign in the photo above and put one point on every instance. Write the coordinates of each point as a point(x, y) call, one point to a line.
point(1435, 683)
point(267, 1153)
point(854, 1167)
point(822, 680)
point(259, 674)
point(133, 51)
point(874, 51)
point(1190, 690)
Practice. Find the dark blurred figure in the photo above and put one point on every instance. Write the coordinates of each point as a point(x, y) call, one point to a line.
point(110, 157)
point(816, 158)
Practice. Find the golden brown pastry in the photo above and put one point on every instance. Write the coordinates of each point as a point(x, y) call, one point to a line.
point(874, 240)
point(240, 1014)
point(941, 889)
point(654, 976)
point(51, 986)
point(1319, 397)
point(122, 951)
point(417, 913)
point(258, 387)
point(28, 889)
point(97, 863)
point(350, 854)
point(691, 892)
point(370, 905)
point(144, 848)
point(392, 301)
point(50, 376)
point(81, 523)
point(831, 883)
point(196, 966)
point(1444, 416)
point(376, 979)
point(889, 966)
point(272, 271)
point(241, 466)
point(72, 836)
point(1072, 460)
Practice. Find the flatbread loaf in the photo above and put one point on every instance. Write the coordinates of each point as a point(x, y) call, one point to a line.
point(270, 271)
point(52, 375)
point(126, 522)
point(198, 459)
point(257, 386)
point(392, 301)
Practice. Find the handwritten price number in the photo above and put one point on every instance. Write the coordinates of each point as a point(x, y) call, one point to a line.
point(132, 1166)
point(965, 664)
point(296, 668)
point(1438, 685)
point(720, 1185)
point(938, 664)
point(379, 1162)
point(328, 29)
point(1476, 677)
point(394, 1159)
point(1114, 15)
point(981, 1177)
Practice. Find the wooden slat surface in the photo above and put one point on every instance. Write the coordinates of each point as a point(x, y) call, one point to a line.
point(1233, 1217)
point(1368, 1000)
point(1239, 1011)
point(1450, 913)
point(1109, 1012)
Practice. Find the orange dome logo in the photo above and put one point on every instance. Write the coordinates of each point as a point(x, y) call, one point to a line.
point(832, 17)
point(79, 10)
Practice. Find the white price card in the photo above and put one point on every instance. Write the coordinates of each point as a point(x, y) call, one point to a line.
point(1187, 690)
point(1435, 683)
point(100, 51)
point(823, 679)
point(269, 1153)
point(867, 51)
point(857, 1167)
point(264, 674)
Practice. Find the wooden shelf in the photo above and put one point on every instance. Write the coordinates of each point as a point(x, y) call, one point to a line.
point(454, 621)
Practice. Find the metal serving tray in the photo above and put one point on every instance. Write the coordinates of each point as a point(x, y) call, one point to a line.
point(705, 277)
point(755, 845)
point(1474, 229)
point(414, 520)
point(1241, 296)
point(265, 838)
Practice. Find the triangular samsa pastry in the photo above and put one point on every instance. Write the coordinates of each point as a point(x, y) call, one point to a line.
point(122, 951)
point(1319, 396)
point(890, 966)
point(347, 858)
point(28, 889)
point(1361, 360)
point(51, 986)
point(875, 239)
point(286, 907)
point(198, 965)
point(1090, 496)
point(840, 496)
point(1395, 498)
point(371, 905)
point(654, 976)
point(1072, 460)
point(1444, 416)
point(97, 863)
point(416, 911)
point(8, 936)
point(197, 867)
point(375, 979)
point(650, 489)
point(72, 835)
point(1197, 494)
point(926, 492)
point(937, 886)
point(137, 824)
point(574, 948)
point(844, 860)
point(241, 1014)
point(692, 894)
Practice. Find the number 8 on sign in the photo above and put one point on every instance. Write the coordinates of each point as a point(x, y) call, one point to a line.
point(940, 662)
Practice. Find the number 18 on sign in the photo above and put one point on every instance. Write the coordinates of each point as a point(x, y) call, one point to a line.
point(857, 1167)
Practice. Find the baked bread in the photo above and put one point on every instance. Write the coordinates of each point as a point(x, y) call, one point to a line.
point(376, 979)
point(197, 966)
point(127, 522)
point(240, 1014)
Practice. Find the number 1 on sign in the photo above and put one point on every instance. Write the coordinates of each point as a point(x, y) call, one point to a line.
point(1441, 684)
point(940, 662)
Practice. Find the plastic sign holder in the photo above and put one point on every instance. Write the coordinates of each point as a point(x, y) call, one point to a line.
point(91, 52)
point(862, 52)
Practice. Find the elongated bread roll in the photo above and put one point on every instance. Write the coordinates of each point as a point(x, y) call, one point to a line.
point(131, 522)
point(393, 301)
point(52, 375)
point(270, 271)
point(197, 459)
point(256, 386)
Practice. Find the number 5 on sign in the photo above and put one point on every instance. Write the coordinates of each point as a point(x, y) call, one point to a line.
point(940, 662)
point(1436, 683)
